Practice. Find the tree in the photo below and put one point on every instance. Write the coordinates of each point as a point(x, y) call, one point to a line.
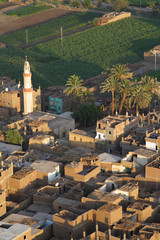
point(110, 85)
point(75, 3)
point(87, 3)
point(87, 114)
point(86, 96)
point(74, 86)
point(13, 137)
point(139, 97)
point(150, 84)
point(124, 88)
point(120, 71)
point(119, 5)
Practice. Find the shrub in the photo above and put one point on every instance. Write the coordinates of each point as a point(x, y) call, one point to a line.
point(119, 5)
point(87, 3)
point(75, 3)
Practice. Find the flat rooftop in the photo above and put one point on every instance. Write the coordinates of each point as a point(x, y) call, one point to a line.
point(103, 196)
point(106, 157)
point(138, 205)
point(73, 164)
point(66, 201)
point(22, 172)
point(155, 163)
point(54, 121)
point(127, 225)
point(9, 231)
point(67, 215)
point(129, 187)
point(9, 148)
point(109, 207)
point(44, 166)
point(145, 152)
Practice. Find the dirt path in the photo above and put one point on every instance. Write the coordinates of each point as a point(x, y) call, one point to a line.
point(34, 19)
point(81, 29)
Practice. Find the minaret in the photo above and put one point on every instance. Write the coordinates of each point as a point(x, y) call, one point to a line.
point(27, 90)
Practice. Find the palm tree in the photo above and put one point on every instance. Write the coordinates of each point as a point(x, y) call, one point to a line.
point(150, 84)
point(86, 96)
point(120, 71)
point(139, 97)
point(74, 86)
point(124, 88)
point(110, 85)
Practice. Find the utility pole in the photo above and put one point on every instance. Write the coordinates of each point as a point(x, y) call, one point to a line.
point(155, 61)
point(62, 37)
point(26, 37)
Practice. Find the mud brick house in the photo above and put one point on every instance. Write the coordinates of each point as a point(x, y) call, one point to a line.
point(79, 172)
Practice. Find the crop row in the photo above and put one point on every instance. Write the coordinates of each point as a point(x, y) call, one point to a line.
point(25, 11)
point(50, 28)
point(86, 54)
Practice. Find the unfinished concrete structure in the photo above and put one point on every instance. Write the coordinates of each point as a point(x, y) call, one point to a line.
point(111, 129)
point(112, 17)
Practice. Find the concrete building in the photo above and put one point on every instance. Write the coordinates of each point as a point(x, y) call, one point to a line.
point(98, 198)
point(53, 99)
point(111, 129)
point(47, 171)
point(81, 138)
point(42, 122)
point(153, 140)
point(128, 191)
point(2, 202)
point(143, 210)
point(14, 231)
point(152, 174)
point(39, 173)
point(6, 171)
point(20, 99)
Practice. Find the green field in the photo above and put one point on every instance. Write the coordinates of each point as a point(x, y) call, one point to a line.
point(142, 3)
point(25, 11)
point(86, 54)
point(48, 29)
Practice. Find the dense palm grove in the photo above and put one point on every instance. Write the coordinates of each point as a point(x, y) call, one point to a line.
point(126, 93)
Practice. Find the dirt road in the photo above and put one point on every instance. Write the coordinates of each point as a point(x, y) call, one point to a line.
point(34, 19)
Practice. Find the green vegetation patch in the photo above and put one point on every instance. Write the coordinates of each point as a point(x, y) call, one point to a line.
point(25, 11)
point(138, 3)
point(85, 54)
point(52, 28)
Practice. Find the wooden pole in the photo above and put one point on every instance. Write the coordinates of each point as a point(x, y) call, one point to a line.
point(26, 37)
point(62, 37)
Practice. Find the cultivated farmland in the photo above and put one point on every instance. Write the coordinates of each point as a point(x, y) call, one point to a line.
point(25, 11)
point(86, 54)
point(50, 28)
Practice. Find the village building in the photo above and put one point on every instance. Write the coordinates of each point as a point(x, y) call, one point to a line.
point(79, 172)
point(128, 191)
point(15, 231)
point(82, 138)
point(152, 174)
point(111, 129)
point(54, 100)
point(6, 172)
point(42, 122)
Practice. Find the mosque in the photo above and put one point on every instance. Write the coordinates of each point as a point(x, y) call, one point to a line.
point(16, 98)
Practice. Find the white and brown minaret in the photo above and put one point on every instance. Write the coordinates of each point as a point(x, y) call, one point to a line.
point(28, 89)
